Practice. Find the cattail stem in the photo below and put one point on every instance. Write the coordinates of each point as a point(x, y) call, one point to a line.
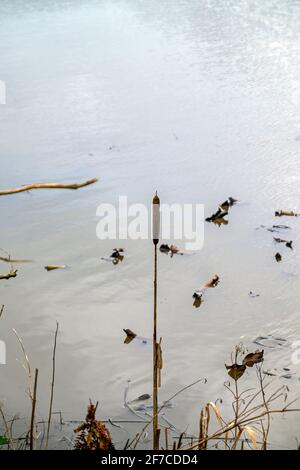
point(155, 376)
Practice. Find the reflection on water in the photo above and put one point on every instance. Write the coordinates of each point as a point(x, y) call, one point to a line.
point(195, 99)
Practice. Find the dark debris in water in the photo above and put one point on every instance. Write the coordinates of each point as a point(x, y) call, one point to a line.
point(253, 295)
point(283, 373)
point(170, 249)
point(211, 283)
point(219, 214)
point(116, 257)
point(218, 217)
point(288, 244)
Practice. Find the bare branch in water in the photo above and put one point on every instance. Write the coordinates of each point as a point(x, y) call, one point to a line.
point(28, 187)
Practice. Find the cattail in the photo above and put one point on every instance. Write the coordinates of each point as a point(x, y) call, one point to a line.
point(155, 238)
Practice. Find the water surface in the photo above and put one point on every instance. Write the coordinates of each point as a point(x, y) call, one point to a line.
point(198, 99)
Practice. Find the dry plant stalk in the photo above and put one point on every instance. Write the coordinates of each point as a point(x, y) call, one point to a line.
point(31, 391)
point(33, 406)
point(52, 386)
point(93, 434)
point(250, 412)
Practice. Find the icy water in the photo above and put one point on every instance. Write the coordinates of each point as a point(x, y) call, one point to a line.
point(198, 99)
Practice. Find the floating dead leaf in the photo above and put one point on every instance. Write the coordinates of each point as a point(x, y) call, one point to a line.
point(51, 267)
point(253, 358)
point(172, 249)
point(236, 371)
point(12, 273)
point(164, 248)
point(114, 258)
point(116, 252)
point(219, 214)
point(212, 282)
point(116, 255)
point(197, 300)
point(286, 213)
point(228, 203)
point(130, 335)
point(197, 296)
point(175, 250)
point(220, 222)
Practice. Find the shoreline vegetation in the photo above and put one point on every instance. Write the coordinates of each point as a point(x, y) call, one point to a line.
point(248, 427)
point(252, 408)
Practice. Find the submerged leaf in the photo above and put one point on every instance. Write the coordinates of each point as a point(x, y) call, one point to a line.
point(143, 397)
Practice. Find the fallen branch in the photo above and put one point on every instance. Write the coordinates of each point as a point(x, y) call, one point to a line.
point(9, 260)
point(12, 273)
point(28, 187)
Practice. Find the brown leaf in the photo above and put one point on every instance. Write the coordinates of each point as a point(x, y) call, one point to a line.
point(236, 371)
point(253, 358)
point(213, 282)
point(130, 335)
point(51, 267)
